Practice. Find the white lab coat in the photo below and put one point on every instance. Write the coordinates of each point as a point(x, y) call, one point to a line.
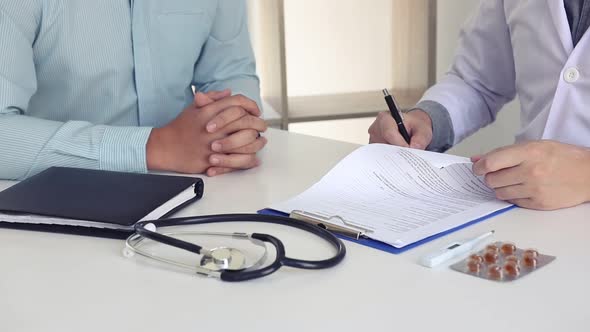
point(520, 47)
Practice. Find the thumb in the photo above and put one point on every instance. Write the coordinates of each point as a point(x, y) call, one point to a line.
point(218, 95)
point(476, 158)
point(421, 136)
point(202, 99)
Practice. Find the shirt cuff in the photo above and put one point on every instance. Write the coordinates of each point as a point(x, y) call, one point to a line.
point(443, 134)
point(124, 149)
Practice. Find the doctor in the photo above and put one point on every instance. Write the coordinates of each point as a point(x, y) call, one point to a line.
point(539, 50)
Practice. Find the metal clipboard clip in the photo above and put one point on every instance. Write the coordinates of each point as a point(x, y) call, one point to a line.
point(349, 229)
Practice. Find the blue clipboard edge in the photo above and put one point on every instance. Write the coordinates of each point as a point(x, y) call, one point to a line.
point(393, 250)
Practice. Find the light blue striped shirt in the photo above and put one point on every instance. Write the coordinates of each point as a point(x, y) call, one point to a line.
point(82, 83)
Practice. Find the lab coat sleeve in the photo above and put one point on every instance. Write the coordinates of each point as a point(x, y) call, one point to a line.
point(482, 77)
point(227, 60)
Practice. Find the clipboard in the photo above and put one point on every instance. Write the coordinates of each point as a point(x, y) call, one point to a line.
point(367, 241)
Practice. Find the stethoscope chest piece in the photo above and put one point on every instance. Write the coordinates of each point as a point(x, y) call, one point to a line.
point(223, 258)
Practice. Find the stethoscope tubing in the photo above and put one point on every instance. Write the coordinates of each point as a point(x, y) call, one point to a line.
point(281, 258)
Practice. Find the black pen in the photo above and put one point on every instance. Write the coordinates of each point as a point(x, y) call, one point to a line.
point(395, 113)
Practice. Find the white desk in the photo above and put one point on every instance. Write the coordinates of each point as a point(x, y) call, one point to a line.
point(52, 282)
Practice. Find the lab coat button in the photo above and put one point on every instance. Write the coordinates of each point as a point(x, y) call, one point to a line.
point(571, 75)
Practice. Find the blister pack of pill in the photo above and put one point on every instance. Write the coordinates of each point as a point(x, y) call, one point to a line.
point(503, 261)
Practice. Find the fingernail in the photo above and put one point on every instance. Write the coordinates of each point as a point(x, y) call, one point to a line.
point(216, 147)
point(214, 161)
point(211, 127)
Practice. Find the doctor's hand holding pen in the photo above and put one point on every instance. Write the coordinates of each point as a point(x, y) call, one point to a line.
point(417, 124)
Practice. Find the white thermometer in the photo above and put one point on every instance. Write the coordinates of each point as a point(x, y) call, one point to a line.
point(452, 250)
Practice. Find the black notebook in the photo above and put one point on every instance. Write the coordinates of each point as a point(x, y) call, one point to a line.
point(93, 202)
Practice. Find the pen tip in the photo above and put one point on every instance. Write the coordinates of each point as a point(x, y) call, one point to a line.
point(493, 231)
point(385, 92)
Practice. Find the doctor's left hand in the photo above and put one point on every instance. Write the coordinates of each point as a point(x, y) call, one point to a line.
point(540, 175)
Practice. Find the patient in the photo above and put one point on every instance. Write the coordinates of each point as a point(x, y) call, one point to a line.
point(109, 85)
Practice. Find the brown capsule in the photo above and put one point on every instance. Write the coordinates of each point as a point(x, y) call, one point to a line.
point(511, 269)
point(492, 247)
point(494, 272)
point(512, 258)
point(529, 261)
point(491, 257)
point(531, 253)
point(474, 265)
point(476, 258)
point(508, 248)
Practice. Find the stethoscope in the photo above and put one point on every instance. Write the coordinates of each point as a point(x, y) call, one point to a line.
point(229, 263)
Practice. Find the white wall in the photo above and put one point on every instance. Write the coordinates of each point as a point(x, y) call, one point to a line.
point(338, 46)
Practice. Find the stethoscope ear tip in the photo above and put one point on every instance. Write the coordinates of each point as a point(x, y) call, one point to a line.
point(128, 253)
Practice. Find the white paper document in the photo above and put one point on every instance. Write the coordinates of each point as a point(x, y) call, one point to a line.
point(402, 195)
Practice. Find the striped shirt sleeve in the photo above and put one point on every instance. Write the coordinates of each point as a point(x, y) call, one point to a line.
point(28, 144)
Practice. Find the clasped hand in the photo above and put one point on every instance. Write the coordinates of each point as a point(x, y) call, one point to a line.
point(218, 133)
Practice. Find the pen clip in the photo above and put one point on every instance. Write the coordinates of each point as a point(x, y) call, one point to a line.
point(349, 229)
